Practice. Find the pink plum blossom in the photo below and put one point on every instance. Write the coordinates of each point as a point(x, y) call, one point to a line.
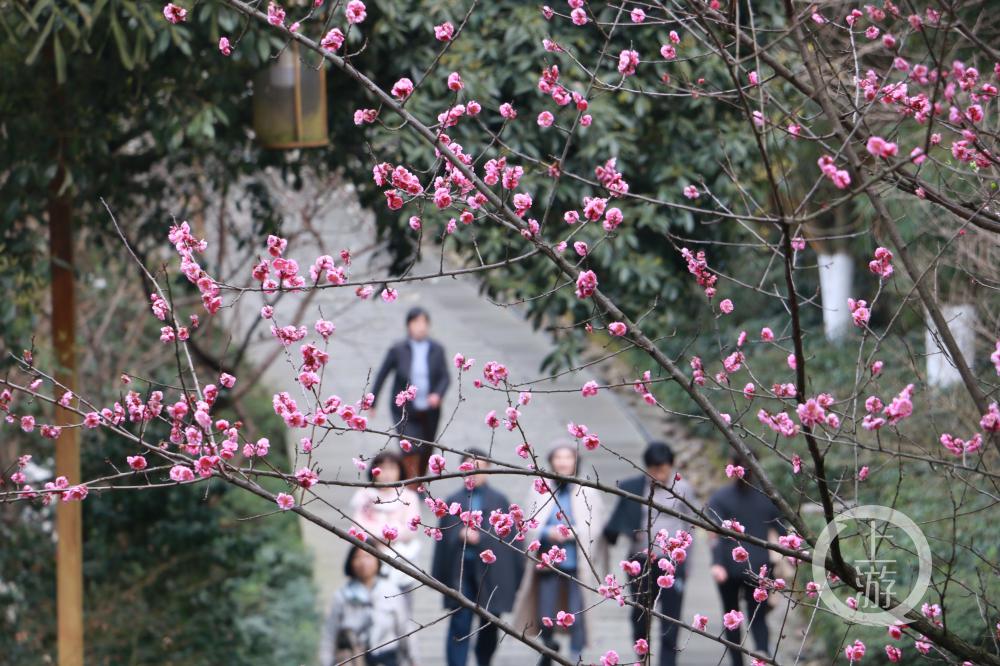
point(174, 13)
point(444, 32)
point(732, 619)
point(355, 11)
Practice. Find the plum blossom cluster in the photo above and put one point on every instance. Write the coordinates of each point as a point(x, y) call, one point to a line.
point(879, 147)
point(908, 89)
point(548, 84)
point(780, 422)
point(860, 313)
point(839, 177)
point(642, 387)
point(814, 412)
point(697, 371)
point(452, 190)
point(697, 266)
point(900, 408)
point(990, 421)
point(582, 433)
point(60, 488)
point(562, 619)
point(961, 447)
point(586, 284)
point(187, 246)
point(608, 175)
point(278, 272)
point(963, 101)
point(192, 432)
point(351, 414)
point(881, 265)
point(174, 13)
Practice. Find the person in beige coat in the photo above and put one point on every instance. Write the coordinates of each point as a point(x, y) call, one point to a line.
point(570, 518)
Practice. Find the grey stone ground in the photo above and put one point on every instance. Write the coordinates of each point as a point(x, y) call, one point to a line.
point(465, 321)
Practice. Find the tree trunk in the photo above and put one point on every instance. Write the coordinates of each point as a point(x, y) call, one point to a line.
point(69, 526)
point(961, 318)
point(836, 275)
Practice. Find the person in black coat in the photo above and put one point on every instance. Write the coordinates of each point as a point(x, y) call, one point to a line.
point(416, 361)
point(632, 519)
point(457, 564)
point(744, 502)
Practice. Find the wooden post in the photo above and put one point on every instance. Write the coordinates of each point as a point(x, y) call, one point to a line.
point(69, 524)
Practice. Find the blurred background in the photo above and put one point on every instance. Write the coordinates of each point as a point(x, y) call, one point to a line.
point(104, 99)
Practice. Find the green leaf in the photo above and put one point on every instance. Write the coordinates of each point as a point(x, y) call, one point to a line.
point(60, 58)
point(83, 11)
point(227, 21)
point(121, 43)
point(66, 22)
point(179, 37)
point(162, 42)
point(39, 8)
point(214, 26)
point(7, 28)
point(42, 37)
point(221, 116)
point(176, 139)
point(32, 23)
point(141, 18)
point(139, 52)
point(185, 46)
point(98, 7)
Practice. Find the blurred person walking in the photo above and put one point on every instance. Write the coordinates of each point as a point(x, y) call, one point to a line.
point(375, 508)
point(367, 617)
point(459, 563)
point(570, 520)
point(416, 361)
point(741, 501)
point(641, 524)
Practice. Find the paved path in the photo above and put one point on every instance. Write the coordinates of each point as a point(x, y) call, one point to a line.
point(465, 321)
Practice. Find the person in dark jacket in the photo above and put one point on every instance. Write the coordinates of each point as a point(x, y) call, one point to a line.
point(635, 521)
point(457, 564)
point(743, 502)
point(417, 361)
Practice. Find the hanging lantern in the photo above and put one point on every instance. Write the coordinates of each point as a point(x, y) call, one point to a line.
point(289, 103)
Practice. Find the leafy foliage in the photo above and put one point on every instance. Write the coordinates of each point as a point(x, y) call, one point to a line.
point(694, 140)
point(146, 114)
